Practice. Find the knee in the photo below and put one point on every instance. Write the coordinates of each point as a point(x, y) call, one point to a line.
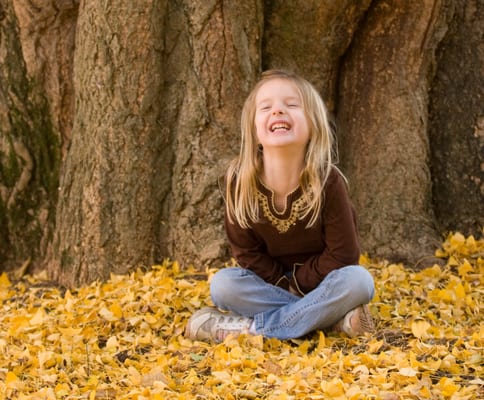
point(223, 286)
point(361, 284)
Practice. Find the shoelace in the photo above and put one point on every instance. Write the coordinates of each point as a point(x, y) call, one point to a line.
point(366, 322)
point(221, 333)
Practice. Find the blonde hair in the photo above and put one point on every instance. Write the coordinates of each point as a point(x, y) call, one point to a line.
point(242, 173)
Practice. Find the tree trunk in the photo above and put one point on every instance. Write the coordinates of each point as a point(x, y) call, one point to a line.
point(113, 180)
point(219, 43)
point(456, 125)
point(29, 154)
point(159, 87)
point(382, 120)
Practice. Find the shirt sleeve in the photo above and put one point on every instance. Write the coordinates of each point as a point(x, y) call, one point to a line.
point(251, 253)
point(340, 235)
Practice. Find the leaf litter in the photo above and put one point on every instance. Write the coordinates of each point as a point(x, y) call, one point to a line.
point(123, 339)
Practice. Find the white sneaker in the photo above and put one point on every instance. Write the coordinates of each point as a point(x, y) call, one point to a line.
point(356, 322)
point(210, 324)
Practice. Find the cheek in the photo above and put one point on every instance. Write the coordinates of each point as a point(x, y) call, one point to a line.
point(259, 125)
point(305, 126)
point(258, 135)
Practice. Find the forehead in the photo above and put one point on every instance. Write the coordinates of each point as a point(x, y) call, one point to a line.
point(277, 88)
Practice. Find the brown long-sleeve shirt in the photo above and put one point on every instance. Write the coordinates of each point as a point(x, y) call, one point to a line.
point(278, 242)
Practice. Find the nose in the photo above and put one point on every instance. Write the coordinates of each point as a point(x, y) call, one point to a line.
point(277, 111)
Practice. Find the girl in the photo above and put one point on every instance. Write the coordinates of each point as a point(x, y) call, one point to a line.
point(290, 226)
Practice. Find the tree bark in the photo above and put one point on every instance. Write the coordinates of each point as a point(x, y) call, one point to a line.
point(310, 37)
point(29, 155)
point(108, 210)
point(456, 124)
point(219, 43)
point(47, 31)
point(382, 120)
point(143, 118)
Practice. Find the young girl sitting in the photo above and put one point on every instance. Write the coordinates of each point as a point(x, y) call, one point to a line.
point(290, 225)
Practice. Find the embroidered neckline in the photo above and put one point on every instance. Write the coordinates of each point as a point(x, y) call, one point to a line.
point(282, 225)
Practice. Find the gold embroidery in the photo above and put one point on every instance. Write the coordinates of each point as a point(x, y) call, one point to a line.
point(282, 225)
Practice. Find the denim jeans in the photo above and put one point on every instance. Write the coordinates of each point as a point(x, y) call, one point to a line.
point(280, 314)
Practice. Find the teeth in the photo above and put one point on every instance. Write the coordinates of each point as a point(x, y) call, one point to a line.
point(279, 126)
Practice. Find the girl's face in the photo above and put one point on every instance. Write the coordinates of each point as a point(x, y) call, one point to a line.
point(280, 119)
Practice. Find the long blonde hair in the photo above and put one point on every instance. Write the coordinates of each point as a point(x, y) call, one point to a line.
point(243, 171)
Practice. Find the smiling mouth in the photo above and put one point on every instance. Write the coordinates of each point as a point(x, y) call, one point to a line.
point(279, 126)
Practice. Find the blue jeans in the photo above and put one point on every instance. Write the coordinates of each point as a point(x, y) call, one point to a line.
point(280, 314)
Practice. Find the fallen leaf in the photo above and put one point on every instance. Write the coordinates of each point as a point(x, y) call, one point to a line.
point(420, 328)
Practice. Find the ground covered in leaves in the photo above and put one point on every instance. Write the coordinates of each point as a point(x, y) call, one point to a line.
point(123, 339)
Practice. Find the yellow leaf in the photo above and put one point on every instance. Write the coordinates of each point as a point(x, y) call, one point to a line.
point(361, 369)
point(445, 295)
point(288, 385)
point(112, 343)
point(420, 328)
point(116, 310)
point(464, 268)
point(460, 292)
point(70, 331)
point(304, 346)
point(17, 323)
point(391, 396)
point(11, 380)
point(104, 393)
point(440, 253)
point(155, 375)
point(246, 394)
point(321, 342)
point(59, 345)
point(175, 267)
point(10, 377)
point(449, 363)
point(458, 239)
point(107, 315)
point(134, 376)
point(4, 281)
point(49, 378)
point(38, 318)
point(374, 346)
point(447, 387)
point(452, 261)
point(272, 367)
point(221, 376)
point(272, 379)
point(425, 392)
point(407, 371)
point(46, 359)
point(150, 319)
point(334, 388)
point(62, 389)
point(364, 259)
point(433, 272)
